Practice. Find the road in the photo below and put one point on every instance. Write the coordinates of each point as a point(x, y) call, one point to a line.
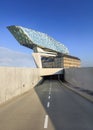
point(48, 106)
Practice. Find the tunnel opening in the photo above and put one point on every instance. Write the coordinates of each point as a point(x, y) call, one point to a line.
point(54, 77)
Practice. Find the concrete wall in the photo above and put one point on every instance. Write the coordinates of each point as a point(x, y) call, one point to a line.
point(50, 71)
point(15, 81)
point(80, 77)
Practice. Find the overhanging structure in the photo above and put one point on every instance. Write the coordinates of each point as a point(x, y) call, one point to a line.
point(45, 48)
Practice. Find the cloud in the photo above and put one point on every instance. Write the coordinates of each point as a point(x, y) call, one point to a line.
point(15, 59)
point(18, 59)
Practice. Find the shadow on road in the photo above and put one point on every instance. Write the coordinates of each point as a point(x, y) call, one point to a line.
point(67, 110)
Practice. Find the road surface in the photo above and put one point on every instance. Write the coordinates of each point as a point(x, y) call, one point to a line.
point(48, 106)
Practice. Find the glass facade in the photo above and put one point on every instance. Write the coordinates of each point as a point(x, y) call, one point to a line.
point(64, 61)
point(31, 38)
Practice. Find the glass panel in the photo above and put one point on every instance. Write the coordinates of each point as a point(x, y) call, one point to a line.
point(29, 37)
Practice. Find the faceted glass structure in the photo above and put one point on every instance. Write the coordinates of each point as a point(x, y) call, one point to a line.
point(31, 38)
point(48, 53)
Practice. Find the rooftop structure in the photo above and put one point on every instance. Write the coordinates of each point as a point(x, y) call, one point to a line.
point(31, 38)
point(42, 44)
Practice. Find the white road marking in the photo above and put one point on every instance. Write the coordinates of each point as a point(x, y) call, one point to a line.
point(46, 122)
point(49, 89)
point(48, 104)
point(49, 92)
point(50, 84)
point(48, 97)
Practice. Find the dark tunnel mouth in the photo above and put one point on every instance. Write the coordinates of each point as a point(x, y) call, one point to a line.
point(54, 77)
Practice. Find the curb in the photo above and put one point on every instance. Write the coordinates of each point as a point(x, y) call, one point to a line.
point(87, 97)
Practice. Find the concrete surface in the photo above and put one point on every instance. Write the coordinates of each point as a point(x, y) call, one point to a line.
point(50, 71)
point(48, 106)
point(78, 91)
point(80, 77)
point(15, 81)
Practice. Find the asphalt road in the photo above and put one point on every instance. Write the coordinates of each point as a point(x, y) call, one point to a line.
point(48, 106)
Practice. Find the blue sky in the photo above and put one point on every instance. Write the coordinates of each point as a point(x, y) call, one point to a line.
point(67, 21)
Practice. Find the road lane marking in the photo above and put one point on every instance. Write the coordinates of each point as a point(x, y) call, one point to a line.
point(48, 97)
point(50, 84)
point(46, 122)
point(48, 104)
point(49, 92)
point(49, 89)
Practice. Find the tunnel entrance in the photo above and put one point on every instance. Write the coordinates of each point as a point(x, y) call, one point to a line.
point(55, 77)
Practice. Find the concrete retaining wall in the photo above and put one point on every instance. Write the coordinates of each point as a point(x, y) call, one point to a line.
point(15, 81)
point(80, 77)
point(50, 71)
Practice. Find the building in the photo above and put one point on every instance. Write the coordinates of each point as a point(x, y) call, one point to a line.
point(70, 61)
point(48, 53)
point(64, 61)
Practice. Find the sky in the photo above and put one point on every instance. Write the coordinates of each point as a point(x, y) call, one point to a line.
point(67, 21)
